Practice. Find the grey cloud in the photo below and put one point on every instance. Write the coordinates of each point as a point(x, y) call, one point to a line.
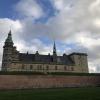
point(29, 8)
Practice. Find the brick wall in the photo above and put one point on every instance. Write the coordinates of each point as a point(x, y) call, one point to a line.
point(49, 81)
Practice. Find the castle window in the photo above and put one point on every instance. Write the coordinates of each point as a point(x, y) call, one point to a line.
point(56, 67)
point(65, 68)
point(23, 66)
point(79, 57)
point(72, 69)
point(31, 67)
point(39, 67)
point(47, 67)
point(4, 64)
point(5, 55)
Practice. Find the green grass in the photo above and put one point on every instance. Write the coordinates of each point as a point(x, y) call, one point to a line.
point(90, 93)
point(48, 73)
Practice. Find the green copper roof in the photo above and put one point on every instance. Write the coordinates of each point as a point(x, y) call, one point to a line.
point(54, 48)
point(9, 38)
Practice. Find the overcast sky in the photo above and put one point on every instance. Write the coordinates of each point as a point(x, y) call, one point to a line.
point(35, 24)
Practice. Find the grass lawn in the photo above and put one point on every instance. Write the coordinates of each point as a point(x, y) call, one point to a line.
point(90, 93)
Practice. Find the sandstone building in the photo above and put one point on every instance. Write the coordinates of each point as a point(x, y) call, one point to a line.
point(13, 60)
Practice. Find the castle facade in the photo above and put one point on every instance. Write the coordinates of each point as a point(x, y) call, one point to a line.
point(13, 60)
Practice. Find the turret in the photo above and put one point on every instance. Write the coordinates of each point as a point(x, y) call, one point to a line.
point(9, 42)
point(7, 52)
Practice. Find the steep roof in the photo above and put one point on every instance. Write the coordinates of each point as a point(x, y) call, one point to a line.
point(33, 58)
point(26, 57)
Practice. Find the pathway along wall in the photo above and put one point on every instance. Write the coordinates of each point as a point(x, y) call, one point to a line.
point(46, 81)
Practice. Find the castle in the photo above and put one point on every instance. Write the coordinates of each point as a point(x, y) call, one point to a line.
point(13, 60)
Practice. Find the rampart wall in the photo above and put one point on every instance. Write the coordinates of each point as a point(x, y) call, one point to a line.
point(46, 81)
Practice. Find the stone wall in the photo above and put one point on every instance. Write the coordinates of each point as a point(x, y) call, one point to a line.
point(81, 62)
point(46, 81)
point(42, 67)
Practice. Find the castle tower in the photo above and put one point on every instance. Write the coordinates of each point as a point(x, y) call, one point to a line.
point(54, 53)
point(7, 52)
point(81, 63)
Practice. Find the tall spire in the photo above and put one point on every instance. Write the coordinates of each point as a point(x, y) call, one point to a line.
point(54, 48)
point(54, 53)
point(9, 39)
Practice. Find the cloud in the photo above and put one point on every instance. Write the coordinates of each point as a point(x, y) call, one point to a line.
point(6, 24)
point(95, 7)
point(29, 8)
point(73, 17)
point(39, 46)
point(97, 22)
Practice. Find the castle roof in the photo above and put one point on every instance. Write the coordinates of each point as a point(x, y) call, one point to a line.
point(76, 53)
point(33, 58)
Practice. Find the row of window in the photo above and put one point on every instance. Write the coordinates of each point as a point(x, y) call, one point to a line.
point(39, 67)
